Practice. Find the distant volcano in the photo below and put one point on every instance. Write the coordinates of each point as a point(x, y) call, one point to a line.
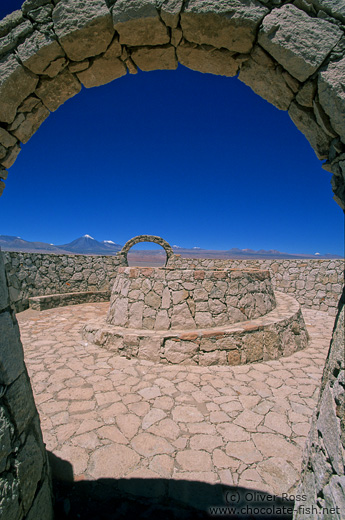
point(87, 245)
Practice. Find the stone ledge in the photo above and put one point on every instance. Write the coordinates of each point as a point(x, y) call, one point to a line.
point(41, 303)
point(279, 333)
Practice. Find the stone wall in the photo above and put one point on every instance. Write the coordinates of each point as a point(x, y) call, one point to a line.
point(35, 274)
point(323, 470)
point(184, 299)
point(316, 284)
point(24, 471)
point(292, 55)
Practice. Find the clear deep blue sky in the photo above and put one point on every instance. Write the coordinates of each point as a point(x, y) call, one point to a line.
point(195, 158)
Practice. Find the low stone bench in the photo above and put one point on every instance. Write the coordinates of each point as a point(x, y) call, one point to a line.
point(49, 301)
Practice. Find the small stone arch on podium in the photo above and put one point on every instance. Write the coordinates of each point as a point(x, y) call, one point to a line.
point(145, 238)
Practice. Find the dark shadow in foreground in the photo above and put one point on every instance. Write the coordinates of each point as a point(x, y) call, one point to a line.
point(158, 499)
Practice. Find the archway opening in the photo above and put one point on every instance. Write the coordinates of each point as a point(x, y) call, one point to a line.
point(147, 254)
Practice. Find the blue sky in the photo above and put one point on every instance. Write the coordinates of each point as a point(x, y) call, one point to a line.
point(195, 158)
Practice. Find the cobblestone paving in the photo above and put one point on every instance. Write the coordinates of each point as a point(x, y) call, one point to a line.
point(112, 417)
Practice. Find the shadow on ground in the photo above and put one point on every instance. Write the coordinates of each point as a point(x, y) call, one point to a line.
point(158, 499)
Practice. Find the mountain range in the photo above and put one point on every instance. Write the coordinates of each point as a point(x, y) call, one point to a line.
point(87, 245)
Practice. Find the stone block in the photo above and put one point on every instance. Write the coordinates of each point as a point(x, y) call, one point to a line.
point(261, 75)
point(297, 41)
point(332, 95)
point(253, 346)
point(84, 29)
point(203, 320)
point(54, 92)
point(20, 402)
point(305, 121)
point(181, 317)
point(10, 22)
point(138, 23)
point(162, 320)
point(42, 507)
point(149, 349)
point(327, 424)
point(180, 351)
point(104, 69)
point(29, 466)
point(16, 83)
point(38, 51)
point(334, 8)
point(6, 139)
point(135, 320)
point(227, 24)
point(11, 351)
point(31, 123)
point(334, 495)
point(6, 432)
point(10, 508)
point(170, 12)
point(217, 357)
point(211, 61)
point(30, 5)
point(4, 298)
point(155, 58)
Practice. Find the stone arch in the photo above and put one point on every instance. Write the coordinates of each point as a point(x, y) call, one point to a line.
point(145, 238)
point(291, 55)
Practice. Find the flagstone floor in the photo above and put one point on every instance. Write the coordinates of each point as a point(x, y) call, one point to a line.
point(111, 417)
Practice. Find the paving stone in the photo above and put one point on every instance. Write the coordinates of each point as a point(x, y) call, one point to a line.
point(205, 442)
point(231, 432)
point(277, 422)
point(167, 428)
point(194, 460)
point(128, 424)
point(112, 433)
point(112, 461)
point(277, 472)
point(187, 414)
point(76, 455)
point(249, 420)
point(245, 451)
point(148, 445)
point(163, 465)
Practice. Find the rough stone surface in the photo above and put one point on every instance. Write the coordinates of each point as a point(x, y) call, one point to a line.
point(305, 121)
point(153, 58)
point(222, 24)
point(38, 51)
point(104, 69)
point(11, 355)
point(332, 95)
point(84, 29)
point(16, 84)
point(223, 306)
point(138, 23)
point(212, 61)
point(316, 284)
point(263, 76)
point(31, 123)
point(54, 92)
point(299, 43)
point(323, 462)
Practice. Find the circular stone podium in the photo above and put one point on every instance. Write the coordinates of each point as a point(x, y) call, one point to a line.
point(199, 317)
